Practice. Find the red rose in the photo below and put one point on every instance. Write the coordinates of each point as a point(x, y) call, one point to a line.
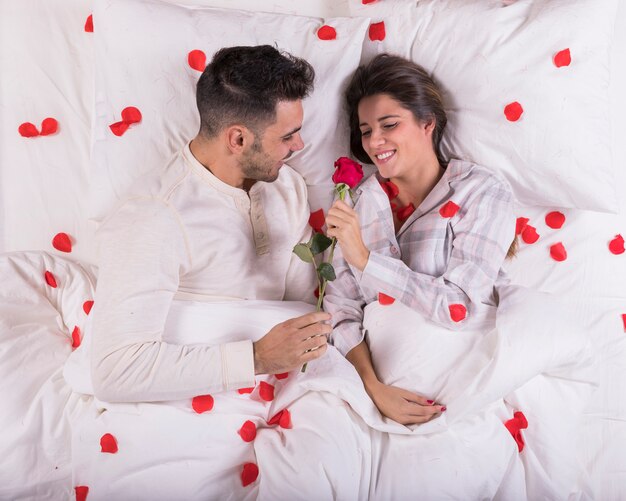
point(347, 171)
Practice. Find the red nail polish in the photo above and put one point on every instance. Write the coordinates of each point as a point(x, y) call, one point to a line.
point(431, 402)
point(443, 409)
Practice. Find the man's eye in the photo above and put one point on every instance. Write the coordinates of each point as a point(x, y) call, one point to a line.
point(287, 139)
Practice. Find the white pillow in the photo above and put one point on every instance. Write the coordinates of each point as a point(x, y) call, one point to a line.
point(487, 54)
point(141, 58)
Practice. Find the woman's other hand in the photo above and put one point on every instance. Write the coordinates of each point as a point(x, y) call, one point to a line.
point(403, 406)
point(343, 224)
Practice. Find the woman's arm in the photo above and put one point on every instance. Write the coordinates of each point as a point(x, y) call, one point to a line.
point(395, 403)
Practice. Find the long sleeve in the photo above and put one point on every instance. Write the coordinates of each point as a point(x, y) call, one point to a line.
point(143, 252)
point(481, 234)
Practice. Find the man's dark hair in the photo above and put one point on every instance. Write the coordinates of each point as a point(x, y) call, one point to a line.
point(242, 85)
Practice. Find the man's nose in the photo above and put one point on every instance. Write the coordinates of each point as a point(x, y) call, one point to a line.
point(297, 144)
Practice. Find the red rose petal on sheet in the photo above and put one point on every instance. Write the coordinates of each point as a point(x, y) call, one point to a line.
point(558, 252)
point(458, 312)
point(249, 473)
point(624, 320)
point(89, 24)
point(377, 31)
point(285, 419)
point(131, 115)
point(555, 219)
point(202, 403)
point(76, 337)
point(28, 130)
point(385, 300)
point(515, 425)
point(562, 58)
point(404, 212)
point(266, 391)
point(50, 280)
point(275, 419)
point(513, 111)
point(81, 492)
point(247, 432)
point(243, 391)
point(390, 189)
point(282, 375)
point(317, 220)
point(449, 209)
point(327, 33)
point(529, 234)
point(118, 128)
point(62, 242)
point(520, 224)
point(108, 444)
point(365, 2)
point(49, 126)
point(87, 305)
point(197, 60)
point(616, 246)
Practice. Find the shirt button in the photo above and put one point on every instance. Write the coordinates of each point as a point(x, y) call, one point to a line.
point(394, 249)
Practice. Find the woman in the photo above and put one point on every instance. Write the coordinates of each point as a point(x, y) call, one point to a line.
point(430, 233)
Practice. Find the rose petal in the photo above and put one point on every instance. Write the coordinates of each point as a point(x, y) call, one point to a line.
point(202, 403)
point(449, 209)
point(197, 60)
point(87, 305)
point(28, 130)
point(365, 2)
point(555, 219)
point(558, 252)
point(62, 242)
point(384, 299)
point(108, 444)
point(404, 212)
point(282, 375)
point(50, 280)
point(131, 115)
point(266, 391)
point(285, 420)
point(316, 292)
point(327, 33)
point(390, 189)
point(317, 220)
point(81, 492)
point(520, 224)
point(242, 391)
point(377, 31)
point(624, 320)
point(562, 58)
point(76, 337)
point(529, 234)
point(247, 432)
point(49, 126)
point(513, 111)
point(275, 419)
point(458, 312)
point(249, 473)
point(616, 246)
point(515, 426)
point(118, 128)
point(89, 24)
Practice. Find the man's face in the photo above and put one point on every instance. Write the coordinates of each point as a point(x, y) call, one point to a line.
point(264, 158)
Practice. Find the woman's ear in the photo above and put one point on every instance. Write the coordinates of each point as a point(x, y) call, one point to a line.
point(429, 126)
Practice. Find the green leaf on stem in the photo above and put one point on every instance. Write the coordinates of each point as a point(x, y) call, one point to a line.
point(326, 271)
point(303, 252)
point(319, 243)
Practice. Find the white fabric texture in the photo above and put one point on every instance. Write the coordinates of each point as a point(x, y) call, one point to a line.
point(487, 55)
point(163, 87)
point(183, 231)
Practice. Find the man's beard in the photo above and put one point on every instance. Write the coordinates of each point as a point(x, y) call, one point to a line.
point(257, 165)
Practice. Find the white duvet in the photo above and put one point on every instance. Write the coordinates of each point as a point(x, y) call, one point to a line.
point(336, 445)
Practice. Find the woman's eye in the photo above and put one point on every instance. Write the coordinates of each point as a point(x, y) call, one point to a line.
point(390, 126)
point(365, 133)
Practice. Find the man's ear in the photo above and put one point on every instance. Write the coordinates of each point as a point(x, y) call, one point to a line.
point(237, 138)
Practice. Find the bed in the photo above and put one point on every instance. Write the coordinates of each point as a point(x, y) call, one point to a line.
point(94, 93)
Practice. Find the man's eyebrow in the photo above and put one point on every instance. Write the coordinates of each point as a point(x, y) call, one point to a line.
point(381, 119)
point(291, 133)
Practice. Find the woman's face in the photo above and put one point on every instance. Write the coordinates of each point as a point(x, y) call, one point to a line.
point(395, 141)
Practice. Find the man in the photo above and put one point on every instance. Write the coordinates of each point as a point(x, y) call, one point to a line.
point(219, 221)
